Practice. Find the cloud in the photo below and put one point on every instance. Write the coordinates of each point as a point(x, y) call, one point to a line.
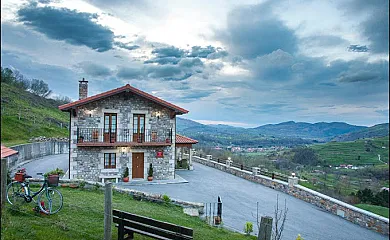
point(129, 73)
point(163, 60)
point(254, 31)
point(357, 48)
point(94, 70)
point(323, 41)
point(209, 52)
point(360, 76)
point(168, 52)
point(126, 46)
point(77, 28)
point(376, 26)
point(191, 62)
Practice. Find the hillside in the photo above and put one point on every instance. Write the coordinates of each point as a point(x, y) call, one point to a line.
point(355, 152)
point(320, 131)
point(25, 115)
point(286, 133)
point(379, 130)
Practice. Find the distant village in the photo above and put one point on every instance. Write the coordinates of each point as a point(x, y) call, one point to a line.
point(250, 149)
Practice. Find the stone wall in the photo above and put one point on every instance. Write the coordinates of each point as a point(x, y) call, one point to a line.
point(36, 150)
point(353, 214)
point(88, 162)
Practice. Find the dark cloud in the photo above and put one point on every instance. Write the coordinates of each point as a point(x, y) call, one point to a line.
point(163, 60)
point(191, 62)
point(359, 76)
point(169, 52)
point(254, 31)
point(94, 70)
point(376, 25)
point(357, 48)
point(77, 28)
point(129, 73)
point(209, 52)
point(127, 46)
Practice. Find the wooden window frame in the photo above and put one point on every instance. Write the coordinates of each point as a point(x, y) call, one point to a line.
point(109, 158)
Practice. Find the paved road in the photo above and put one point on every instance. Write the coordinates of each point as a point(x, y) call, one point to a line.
point(46, 164)
point(239, 199)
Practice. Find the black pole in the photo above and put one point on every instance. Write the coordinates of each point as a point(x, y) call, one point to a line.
point(70, 139)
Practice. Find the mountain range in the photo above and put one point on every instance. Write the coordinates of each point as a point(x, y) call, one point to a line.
point(285, 133)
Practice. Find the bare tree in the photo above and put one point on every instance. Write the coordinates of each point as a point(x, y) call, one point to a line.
point(280, 216)
point(280, 219)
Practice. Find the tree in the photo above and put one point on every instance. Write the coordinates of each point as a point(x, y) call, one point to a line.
point(7, 76)
point(305, 155)
point(40, 88)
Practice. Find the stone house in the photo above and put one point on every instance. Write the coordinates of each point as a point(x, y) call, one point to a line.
point(123, 127)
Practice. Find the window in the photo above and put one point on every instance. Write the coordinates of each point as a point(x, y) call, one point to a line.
point(109, 160)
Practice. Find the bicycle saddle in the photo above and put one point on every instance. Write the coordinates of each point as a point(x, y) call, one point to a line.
point(27, 176)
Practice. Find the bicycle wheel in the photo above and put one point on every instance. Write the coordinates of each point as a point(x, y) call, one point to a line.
point(15, 193)
point(50, 201)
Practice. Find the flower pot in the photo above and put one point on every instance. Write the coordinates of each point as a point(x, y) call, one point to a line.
point(53, 180)
point(73, 185)
point(150, 179)
point(126, 179)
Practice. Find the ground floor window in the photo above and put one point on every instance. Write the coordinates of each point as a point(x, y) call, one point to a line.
point(109, 160)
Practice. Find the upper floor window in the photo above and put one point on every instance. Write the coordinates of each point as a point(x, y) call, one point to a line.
point(109, 160)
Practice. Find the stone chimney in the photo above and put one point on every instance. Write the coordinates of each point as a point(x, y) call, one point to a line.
point(83, 89)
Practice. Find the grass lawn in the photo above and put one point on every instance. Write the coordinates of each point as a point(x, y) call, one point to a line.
point(383, 211)
point(82, 218)
point(356, 152)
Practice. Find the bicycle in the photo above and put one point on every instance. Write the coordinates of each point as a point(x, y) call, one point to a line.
point(49, 199)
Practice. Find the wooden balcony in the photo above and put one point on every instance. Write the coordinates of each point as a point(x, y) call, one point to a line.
point(99, 137)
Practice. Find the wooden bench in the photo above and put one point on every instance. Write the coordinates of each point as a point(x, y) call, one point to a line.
point(129, 223)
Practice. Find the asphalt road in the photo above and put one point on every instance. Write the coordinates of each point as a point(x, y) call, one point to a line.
point(239, 199)
point(47, 163)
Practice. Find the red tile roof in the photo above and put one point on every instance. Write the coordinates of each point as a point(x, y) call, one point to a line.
point(127, 87)
point(180, 139)
point(6, 152)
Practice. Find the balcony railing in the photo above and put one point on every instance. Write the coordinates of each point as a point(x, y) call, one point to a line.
point(125, 135)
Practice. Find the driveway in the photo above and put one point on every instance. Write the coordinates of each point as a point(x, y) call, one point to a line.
point(47, 163)
point(239, 198)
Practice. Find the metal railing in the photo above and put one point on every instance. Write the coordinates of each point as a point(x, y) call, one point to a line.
point(100, 135)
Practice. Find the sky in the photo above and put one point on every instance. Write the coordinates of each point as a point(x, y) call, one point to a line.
point(241, 63)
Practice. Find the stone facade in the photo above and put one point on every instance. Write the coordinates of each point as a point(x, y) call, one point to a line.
point(353, 214)
point(88, 162)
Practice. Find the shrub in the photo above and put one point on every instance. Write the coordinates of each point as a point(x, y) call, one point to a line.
point(150, 171)
point(166, 198)
point(57, 171)
point(299, 237)
point(248, 228)
point(126, 172)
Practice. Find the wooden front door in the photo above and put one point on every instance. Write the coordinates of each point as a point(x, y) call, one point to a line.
point(110, 127)
point(139, 128)
point(138, 165)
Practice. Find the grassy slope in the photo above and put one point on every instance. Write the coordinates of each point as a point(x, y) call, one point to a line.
point(82, 218)
point(47, 116)
point(347, 152)
point(383, 211)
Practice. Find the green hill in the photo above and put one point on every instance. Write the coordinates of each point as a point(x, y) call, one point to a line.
point(362, 151)
point(379, 130)
point(25, 115)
